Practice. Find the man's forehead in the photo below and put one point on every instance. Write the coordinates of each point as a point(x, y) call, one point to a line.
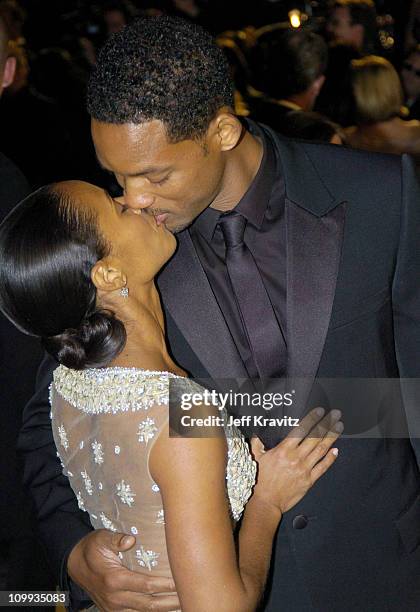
point(133, 134)
point(144, 143)
point(341, 12)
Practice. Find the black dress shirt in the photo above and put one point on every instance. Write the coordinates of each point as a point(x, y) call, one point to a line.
point(265, 236)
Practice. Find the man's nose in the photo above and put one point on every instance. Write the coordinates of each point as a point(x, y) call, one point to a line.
point(138, 200)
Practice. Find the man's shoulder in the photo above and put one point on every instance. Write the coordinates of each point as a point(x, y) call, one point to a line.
point(342, 169)
point(327, 153)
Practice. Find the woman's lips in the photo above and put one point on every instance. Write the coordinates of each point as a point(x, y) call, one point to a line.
point(160, 219)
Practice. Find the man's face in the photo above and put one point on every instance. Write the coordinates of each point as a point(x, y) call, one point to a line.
point(340, 27)
point(410, 75)
point(175, 182)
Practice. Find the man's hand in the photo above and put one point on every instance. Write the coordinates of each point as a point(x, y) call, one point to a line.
point(94, 565)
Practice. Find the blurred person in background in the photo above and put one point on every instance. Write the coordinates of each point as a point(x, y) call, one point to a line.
point(412, 32)
point(13, 185)
point(353, 22)
point(335, 100)
point(312, 126)
point(14, 16)
point(22, 563)
point(378, 97)
point(410, 76)
point(292, 75)
point(117, 14)
point(33, 133)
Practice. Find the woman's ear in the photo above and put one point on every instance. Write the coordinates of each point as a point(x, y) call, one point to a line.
point(107, 275)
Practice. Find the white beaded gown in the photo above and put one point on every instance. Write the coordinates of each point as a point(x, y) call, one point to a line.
point(105, 422)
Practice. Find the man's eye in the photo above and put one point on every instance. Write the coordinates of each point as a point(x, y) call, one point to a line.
point(162, 181)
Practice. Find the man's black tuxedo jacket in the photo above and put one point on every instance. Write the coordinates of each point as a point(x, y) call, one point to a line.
point(353, 310)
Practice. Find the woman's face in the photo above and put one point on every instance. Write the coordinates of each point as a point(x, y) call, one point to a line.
point(138, 244)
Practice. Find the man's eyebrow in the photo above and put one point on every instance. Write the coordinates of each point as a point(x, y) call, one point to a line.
point(147, 170)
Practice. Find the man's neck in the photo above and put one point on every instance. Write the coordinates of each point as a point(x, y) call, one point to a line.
point(241, 168)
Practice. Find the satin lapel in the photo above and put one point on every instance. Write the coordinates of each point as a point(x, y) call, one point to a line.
point(313, 257)
point(187, 295)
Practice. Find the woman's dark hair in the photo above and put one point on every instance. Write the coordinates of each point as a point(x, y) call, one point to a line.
point(48, 247)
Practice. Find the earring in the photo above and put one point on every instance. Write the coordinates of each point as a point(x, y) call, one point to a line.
point(124, 292)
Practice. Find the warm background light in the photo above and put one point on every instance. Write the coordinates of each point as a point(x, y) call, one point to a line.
point(295, 19)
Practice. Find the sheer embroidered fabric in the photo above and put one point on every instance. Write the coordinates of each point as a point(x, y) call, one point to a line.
point(105, 423)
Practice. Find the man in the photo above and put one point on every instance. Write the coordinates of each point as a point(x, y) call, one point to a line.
point(354, 22)
point(410, 76)
point(292, 75)
point(335, 249)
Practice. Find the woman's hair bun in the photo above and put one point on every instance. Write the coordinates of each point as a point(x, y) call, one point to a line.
point(94, 344)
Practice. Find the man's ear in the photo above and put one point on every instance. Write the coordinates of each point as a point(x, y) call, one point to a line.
point(9, 72)
point(318, 83)
point(227, 128)
point(107, 276)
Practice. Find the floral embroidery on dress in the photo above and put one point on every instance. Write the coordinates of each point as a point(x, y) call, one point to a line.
point(147, 430)
point(98, 453)
point(125, 493)
point(80, 502)
point(59, 458)
point(87, 481)
point(147, 558)
point(107, 523)
point(116, 389)
point(109, 492)
point(63, 437)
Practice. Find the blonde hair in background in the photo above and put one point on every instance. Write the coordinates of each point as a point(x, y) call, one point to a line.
point(377, 89)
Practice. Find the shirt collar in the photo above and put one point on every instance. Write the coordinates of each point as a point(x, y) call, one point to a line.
point(254, 202)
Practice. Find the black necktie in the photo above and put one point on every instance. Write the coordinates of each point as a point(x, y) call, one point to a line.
point(263, 332)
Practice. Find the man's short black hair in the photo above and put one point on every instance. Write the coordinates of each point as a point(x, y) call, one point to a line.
point(161, 68)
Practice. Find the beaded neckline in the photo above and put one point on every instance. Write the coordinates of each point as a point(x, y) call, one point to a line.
point(113, 389)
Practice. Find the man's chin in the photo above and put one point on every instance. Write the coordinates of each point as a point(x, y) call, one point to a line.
point(175, 228)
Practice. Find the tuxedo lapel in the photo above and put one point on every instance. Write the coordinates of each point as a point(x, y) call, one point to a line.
point(188, 297)
point(315, 229)
point(313, 258)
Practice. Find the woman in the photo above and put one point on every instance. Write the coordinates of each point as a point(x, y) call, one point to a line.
point(378, 100)
point(77, 269)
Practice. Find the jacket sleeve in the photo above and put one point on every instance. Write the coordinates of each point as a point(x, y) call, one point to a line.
point(406, 301)
point(60, 521)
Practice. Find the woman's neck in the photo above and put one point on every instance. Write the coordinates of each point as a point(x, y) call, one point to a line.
point(143, 318)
